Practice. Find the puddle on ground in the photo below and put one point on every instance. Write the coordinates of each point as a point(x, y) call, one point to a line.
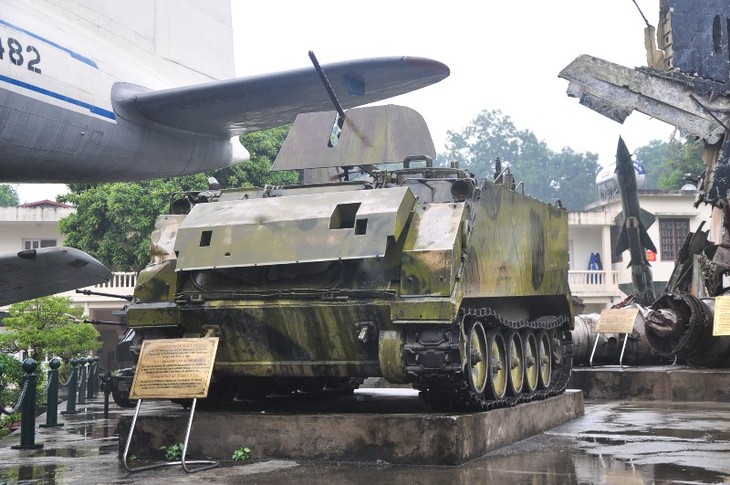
point(22, 475)
point(63, 452)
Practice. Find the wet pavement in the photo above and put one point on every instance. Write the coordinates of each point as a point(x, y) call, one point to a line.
point(613, 443)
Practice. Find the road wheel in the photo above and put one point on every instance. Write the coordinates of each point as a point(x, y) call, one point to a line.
point(516, 359)
point(498, 370)
point(545, 359)
point(532, 370)
point(476, 352)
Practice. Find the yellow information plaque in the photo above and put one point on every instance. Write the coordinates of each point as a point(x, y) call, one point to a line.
point(617, 320)
point(174, 368)
point(721, 323)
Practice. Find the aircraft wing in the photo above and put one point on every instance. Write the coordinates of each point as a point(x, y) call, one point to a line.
point(41, 272)
point(242, 105)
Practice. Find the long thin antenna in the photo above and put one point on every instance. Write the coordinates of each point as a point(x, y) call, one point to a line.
point(642, 14)
point(334, 137)
point(327, 85)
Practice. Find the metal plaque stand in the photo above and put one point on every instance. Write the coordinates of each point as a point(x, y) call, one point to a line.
point(623, 348)
point(205, 464)
point(619, 321)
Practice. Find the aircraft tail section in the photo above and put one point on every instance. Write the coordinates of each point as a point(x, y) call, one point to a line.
point(184, 40)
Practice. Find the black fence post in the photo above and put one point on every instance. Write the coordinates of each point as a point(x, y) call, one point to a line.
point(106, 387)
point(27, 408)
point(96, 375)
point(82, 382)
point(52, 406)
point(72, 381)
point(90, 381)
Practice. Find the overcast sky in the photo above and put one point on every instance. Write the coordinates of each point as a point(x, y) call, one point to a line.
point(502, 54)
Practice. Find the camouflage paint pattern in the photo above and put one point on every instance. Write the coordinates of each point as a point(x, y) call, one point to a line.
point(518, 248)
point(325, 280)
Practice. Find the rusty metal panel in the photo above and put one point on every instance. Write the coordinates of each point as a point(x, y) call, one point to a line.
point(432, 251)
point(294, 229)
point(369, 136)
point(616, 91)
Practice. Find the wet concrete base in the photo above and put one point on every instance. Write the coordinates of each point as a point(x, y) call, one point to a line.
point(371, 426)
point(656, 383)
point(614, 442)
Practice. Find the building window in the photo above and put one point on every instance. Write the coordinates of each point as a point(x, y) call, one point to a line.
point(672, 232)
point(38, 243)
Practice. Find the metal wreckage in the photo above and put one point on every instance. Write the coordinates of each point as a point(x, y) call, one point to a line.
point(686, 84)
point(378, 264)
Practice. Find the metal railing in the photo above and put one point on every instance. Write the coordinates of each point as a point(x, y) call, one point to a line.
point(120, 284)
point(125, 281)
point(590, 281)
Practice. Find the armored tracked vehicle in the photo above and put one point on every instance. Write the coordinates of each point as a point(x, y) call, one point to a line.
point(378, 264)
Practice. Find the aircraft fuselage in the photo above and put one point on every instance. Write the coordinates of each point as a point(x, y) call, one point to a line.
point(57, 122)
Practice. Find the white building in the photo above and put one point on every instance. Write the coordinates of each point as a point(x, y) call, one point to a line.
point(595, 231)
point(32, 226)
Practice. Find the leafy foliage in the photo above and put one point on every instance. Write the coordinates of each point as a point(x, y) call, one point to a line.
point(8, 196)
point(547, 175)
point(6, 421)
point(10, 386)
point(46, 326)
point(113, 221)
point(11, 368)
point(241, 454)
point(263, 147)
point(667, 163)
point(173, 452)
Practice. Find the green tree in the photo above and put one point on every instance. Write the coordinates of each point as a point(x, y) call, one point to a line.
point(263, 147)
point(547, 175)
point(8, 196)
point(684, 158)
point(652, 157)
point(666, 163)
point(47, 326)
point(11, 383)
point(489, 136)
point(113, 221)
point(570, 177)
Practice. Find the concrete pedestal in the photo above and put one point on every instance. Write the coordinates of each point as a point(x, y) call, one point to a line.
point(395, 431)
point(661, 383)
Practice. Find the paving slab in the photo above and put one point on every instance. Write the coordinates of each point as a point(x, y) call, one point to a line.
point(374, 428)
point(652, 383)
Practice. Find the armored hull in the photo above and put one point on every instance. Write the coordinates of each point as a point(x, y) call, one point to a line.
point(418, 274)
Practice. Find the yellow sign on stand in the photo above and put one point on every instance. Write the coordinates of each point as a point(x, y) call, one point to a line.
point(174, 368)
point(617, 320)
point(721, 323)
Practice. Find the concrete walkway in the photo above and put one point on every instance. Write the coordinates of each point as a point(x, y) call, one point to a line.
point(614, 442)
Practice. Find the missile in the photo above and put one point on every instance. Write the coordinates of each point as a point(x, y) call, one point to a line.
point(633, 234)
